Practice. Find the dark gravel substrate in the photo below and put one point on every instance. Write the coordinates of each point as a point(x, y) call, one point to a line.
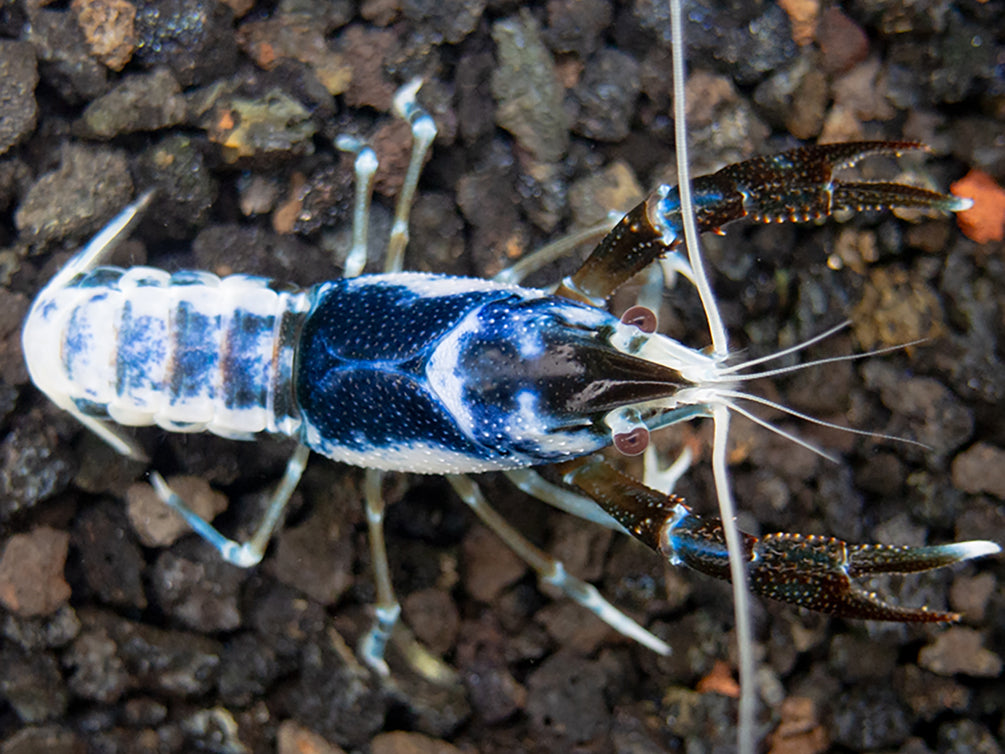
point(112, 642)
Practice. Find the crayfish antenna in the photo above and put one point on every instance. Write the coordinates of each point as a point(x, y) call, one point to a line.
point(746, 737)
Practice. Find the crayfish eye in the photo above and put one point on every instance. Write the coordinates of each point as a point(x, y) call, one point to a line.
point(633, 442)
point(640, 317)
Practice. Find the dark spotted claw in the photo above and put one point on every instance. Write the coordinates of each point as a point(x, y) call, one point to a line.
point(794, 186)
point(809, 571)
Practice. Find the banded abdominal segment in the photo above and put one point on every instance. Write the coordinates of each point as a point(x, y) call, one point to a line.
point(186, 351)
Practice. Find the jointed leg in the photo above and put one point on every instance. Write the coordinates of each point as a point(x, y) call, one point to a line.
point(552, 571)
point(248, 553)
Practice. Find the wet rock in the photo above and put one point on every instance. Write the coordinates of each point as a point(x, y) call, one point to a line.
point(565, 700)
point(691, 716)
point(475, 109)
point(442, 21)
point(32, 685)
point(980, 468)
point(18, 77)
point(35, 463)
point(90, 185)
point(611, 189)
point(102, 468)
point(433, 616)
point(316, 556)
point(265, 128)
point(141, 102)
point(31, 572)
point(366, 51)
point(112, 563)
point(336, 698)
point(577, 26)
point(51, 739)
point(805, 118)
point(862, 92)
point(966, 736)
point(495, 694)
point(869, 717)
point(65, 62)
point(857, 659)
point(108, 27)
point(158, 525)
point(196, 587)
point(570, 628)
point(322, 201)
point(96, 671)
point(723, 126)
point(290, 35)
point(284, 619)
point(436, 227)
point(400, 742)
point(489, 565)
point(527, 90)
point(959, 649)
point(173, 663)
point(482, 195)
point(13, 309)
point(439, 708)
point(842, 42)
point(260, 252)
point(968, 60)
point(606, 96)
point(293, 738)
point(247, 668)
point(929, 695)
point(924, 408)
point(193, 39)
point(799, 730)
point(54, 630)
point(970, 595)
point(175, 168)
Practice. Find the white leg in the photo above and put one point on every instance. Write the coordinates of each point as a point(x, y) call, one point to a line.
point(386, 626)
point(248, 553)
point(552, 571)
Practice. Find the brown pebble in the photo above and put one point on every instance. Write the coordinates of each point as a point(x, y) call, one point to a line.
point(293, 738)
point(980, 468)
point(842, 42)
point(433, 616)
point(969, 595)
point(960, 650)
point(156, 524)
point(799, 731)
point(401, 742)
point(31, 572)
point(109, 28)
point(489, 565)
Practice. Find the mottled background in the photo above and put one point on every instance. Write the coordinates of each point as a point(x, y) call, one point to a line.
point(113, 640)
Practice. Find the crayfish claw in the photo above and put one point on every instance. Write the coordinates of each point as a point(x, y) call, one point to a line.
point(863, 197)
point(809, 571)
point(799, 185)
point(818, 572)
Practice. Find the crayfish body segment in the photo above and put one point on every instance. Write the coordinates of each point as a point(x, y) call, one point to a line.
point(434, 374)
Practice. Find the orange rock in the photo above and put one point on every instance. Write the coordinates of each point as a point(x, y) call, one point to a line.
point(985, 221)
point(719, 681)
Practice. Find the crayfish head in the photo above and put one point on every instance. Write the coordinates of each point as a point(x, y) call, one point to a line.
point(546, 378)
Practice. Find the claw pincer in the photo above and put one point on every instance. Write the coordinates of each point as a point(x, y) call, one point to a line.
point(814, 572)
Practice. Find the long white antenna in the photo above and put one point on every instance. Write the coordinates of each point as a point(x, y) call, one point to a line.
point(745, 743)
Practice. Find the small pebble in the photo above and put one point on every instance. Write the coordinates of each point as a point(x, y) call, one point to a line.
point(959, 649)
point(31, 572)
point(158, 525)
